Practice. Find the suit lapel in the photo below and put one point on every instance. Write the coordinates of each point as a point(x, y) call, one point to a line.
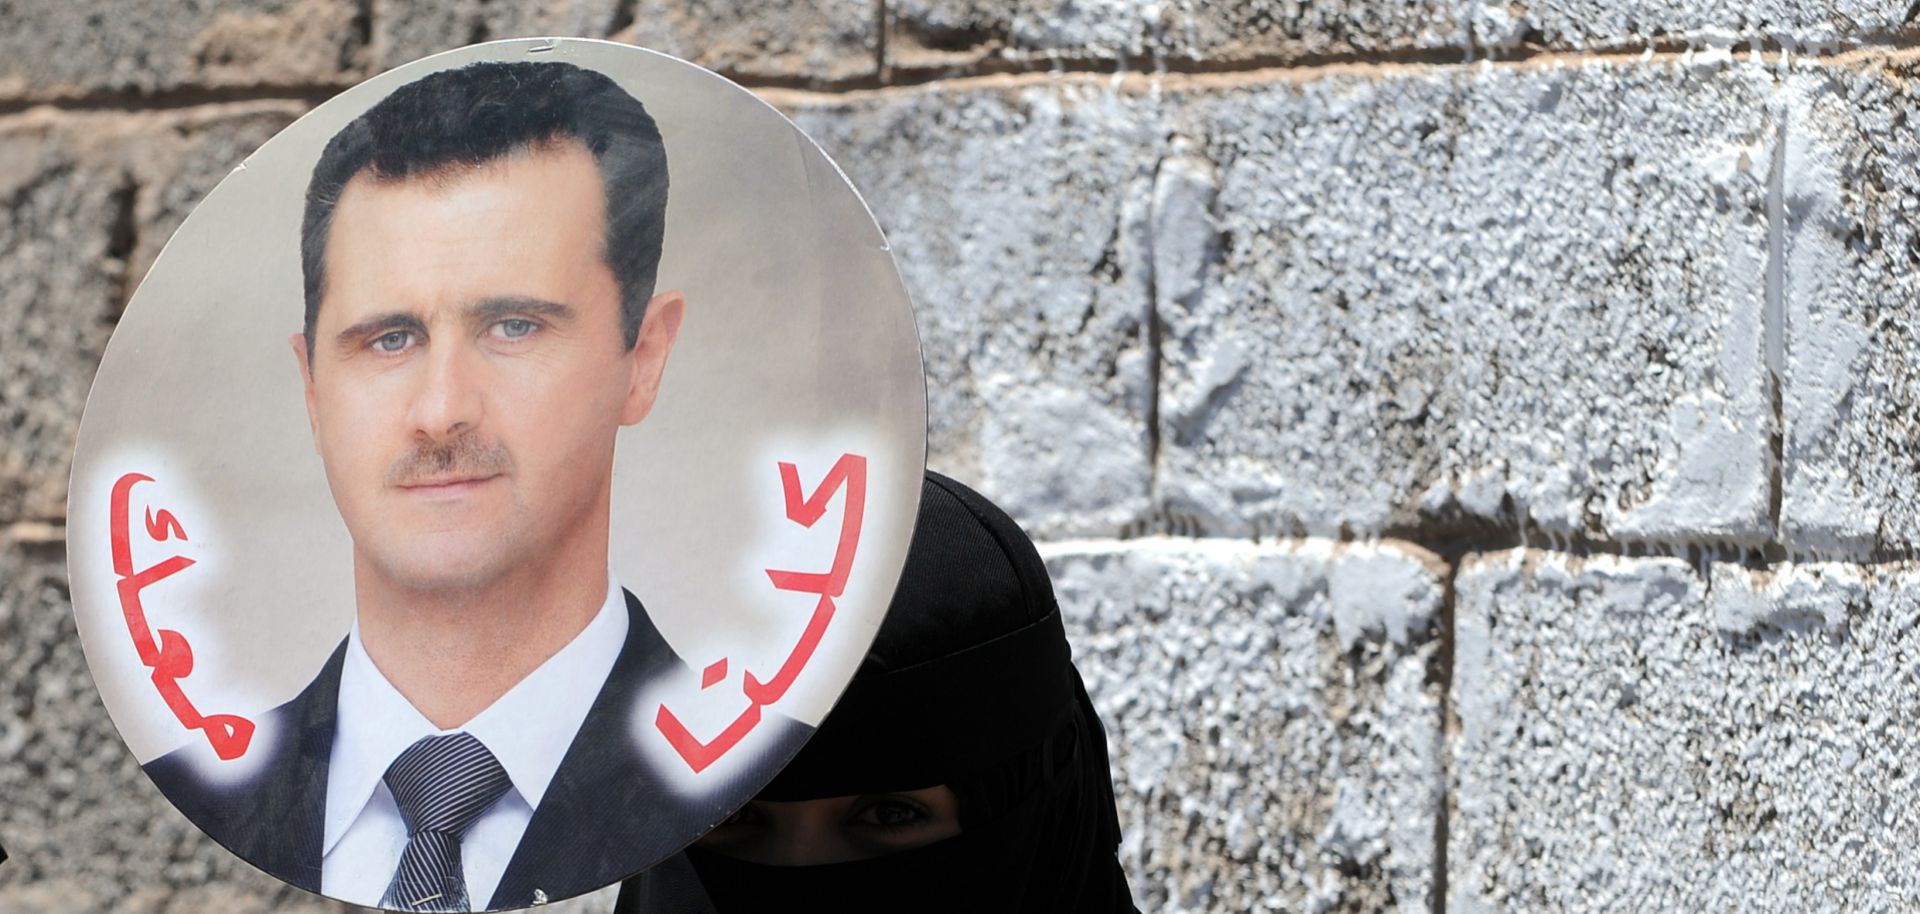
point(282, 831)
point(585, 834)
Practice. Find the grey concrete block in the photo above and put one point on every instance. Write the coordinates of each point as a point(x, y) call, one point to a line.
point(949, 33)
point(174, 160)
point(1272, 718)
point(956, 33)
point(1848, 287)
point(801, 43)
point(61, 278)
point(1648, 734)
point(1636, 23)
point(1386, 300)
point(56, 49)
point(86, 831)
point(1529, 292)
point(1021, 222)
point(90, 200)
point(403, 31)
point(819, 41)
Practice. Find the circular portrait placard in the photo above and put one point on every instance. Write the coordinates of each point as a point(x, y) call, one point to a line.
point(497, 477)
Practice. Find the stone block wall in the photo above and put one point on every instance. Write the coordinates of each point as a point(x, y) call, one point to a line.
point(1474, 442)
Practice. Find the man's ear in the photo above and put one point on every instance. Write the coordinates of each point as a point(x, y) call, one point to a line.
point(299, 343)
point(658, 330)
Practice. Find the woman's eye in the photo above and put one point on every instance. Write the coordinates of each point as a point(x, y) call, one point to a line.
point(891, 812)
point(514, 328)
point(393, 341)
point(746, 815)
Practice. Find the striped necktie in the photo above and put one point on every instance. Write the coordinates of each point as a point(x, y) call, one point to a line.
point(442, 784)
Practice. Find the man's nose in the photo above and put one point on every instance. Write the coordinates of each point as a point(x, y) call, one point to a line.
point(448, 399)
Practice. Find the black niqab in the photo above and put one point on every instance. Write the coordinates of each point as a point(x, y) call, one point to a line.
point(969, 683)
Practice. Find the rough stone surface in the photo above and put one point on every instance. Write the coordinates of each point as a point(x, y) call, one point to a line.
point(1649, 734)
point(937, 34)
point(1275, 736)
point(1851, 349)
point(1633, 23)
point(820, 41)
point(58, 251)
point(54, 49)
point(1386, 300)
point(1021, 223)
point(173, 161)
point(404, 31)
point(85, 829)
point(1526, 292)
point(90, 199)
point(946, 33)
point(802, 43)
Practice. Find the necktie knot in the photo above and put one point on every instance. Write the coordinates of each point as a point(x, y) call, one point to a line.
point(443, 783)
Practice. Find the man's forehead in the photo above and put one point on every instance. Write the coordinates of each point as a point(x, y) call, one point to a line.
point(543, 159)
point(558, 186)
point(530, 225)
point(563, 147)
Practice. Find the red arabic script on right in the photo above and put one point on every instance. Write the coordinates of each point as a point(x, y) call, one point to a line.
point(850, 472)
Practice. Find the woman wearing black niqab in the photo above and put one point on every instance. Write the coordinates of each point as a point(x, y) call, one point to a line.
point(968, 684)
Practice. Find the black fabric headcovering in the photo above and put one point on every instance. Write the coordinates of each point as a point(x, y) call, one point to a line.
point(970, 667)
point(969, 683)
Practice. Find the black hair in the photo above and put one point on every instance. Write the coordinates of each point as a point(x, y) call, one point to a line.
point(483, 112)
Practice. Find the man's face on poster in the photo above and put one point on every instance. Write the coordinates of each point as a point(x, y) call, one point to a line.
point(469, 368)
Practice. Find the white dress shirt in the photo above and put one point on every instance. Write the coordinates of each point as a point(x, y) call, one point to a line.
point(529, 730)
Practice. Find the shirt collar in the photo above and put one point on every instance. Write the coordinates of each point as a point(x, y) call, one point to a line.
point(529, 729)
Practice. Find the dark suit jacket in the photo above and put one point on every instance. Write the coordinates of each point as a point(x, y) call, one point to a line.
point(606, 813)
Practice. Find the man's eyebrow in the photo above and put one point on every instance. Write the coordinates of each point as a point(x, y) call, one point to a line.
point(506, 305)
point(378, 325)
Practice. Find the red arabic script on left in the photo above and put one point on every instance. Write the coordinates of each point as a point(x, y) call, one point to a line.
point(165, 651)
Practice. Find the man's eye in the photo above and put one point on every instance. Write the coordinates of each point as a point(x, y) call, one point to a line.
point(393, 341)
point(514, 328)
point(891, 812)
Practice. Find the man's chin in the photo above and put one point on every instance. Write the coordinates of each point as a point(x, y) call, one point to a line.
point(442, 583)
point(444, 571)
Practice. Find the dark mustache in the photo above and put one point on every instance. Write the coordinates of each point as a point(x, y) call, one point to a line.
point(465, 456)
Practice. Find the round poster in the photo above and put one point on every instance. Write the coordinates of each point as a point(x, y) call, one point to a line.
point(497, 477)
